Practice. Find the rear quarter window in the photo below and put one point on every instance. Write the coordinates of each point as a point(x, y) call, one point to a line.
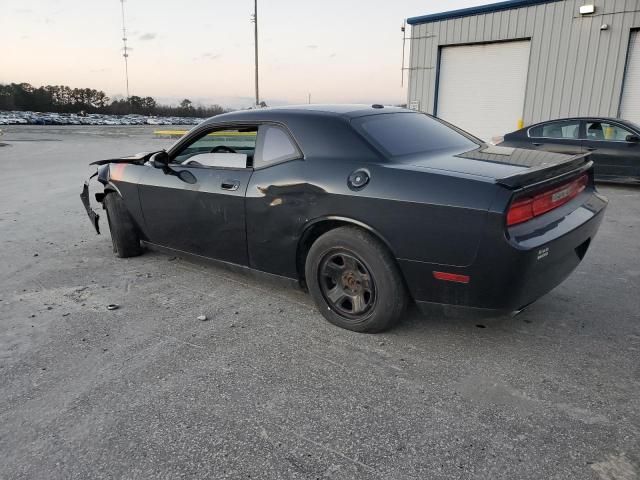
point(274, 146)
point(400, 134)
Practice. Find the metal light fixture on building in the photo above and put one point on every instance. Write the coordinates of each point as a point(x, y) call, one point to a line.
point(587, 9)
point(604, 26)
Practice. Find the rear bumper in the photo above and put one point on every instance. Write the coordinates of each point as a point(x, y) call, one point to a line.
point(516, 267)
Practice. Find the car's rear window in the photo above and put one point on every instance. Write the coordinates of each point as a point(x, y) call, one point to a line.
point(409, 133)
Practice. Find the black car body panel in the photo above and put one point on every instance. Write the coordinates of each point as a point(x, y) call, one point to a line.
point(435, 211)
point(615, 159)
point(201, 213)
point(516, 268)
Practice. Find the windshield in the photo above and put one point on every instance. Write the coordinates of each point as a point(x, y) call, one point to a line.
point(408, 133)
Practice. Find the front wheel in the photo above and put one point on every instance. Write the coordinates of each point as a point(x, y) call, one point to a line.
point(354, 281)
point(124, 233)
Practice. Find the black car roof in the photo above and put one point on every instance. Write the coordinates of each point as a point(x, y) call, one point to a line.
point(627, 123)
point(335, 110)
point(591, 117)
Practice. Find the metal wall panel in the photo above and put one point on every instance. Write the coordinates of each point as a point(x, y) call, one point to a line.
point(575, 68)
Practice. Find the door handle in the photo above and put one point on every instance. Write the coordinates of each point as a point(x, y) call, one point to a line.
point(591, 149)
point(536, 144)
point(231, 185)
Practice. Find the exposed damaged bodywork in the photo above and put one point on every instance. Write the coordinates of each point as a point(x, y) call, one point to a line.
point(93, 216)
point(138, 158)
point(103, 176)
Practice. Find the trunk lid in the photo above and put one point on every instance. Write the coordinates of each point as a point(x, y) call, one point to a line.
point(510, 167)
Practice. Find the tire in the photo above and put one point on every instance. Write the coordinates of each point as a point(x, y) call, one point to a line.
point(124, 233)
point(354, 281)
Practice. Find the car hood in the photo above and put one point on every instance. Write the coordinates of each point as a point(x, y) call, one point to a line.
point(489, 161)
point(137, 158)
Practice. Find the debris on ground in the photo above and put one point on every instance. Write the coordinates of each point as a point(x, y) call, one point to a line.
point(202, 318)
point(113, 306)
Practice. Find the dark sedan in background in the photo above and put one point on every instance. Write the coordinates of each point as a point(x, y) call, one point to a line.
point(614, 144)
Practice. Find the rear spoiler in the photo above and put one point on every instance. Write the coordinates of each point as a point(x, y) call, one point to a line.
point(574, 164)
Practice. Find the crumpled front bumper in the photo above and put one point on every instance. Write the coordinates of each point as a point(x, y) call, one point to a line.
point(93, 216)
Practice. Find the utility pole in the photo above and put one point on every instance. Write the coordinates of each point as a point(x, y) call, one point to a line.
point(255, 33)
point(125, 51)
point(404, 39)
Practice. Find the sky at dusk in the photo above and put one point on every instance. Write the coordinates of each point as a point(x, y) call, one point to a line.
point(337, 50)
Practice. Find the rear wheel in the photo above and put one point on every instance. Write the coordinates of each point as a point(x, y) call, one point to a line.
point(124, 233)
point(354, 281)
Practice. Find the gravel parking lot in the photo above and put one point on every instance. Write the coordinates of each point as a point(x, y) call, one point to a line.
point(266, 388)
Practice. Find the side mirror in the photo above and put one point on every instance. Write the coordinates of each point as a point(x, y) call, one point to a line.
point(160, 159)
point(633, 138)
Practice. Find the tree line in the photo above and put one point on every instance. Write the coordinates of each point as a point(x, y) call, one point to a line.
point(64, 99)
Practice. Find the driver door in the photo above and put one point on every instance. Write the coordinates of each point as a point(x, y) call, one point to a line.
point(196, 205)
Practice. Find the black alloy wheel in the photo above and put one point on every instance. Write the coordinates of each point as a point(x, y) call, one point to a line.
point(347, 284)
point(355, 281)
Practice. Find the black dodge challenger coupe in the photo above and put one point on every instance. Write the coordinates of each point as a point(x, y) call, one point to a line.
point(367, 207)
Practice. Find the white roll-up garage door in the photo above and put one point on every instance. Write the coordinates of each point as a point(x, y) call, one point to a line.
point(481, 88)
point(630, 107)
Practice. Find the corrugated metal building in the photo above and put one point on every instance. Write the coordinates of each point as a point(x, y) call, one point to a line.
point(492, 68)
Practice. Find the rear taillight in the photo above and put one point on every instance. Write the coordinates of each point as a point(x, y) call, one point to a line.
point(520, 211)
point(524, 209)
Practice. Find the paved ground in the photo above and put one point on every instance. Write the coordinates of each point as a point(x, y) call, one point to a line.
point(266, 388)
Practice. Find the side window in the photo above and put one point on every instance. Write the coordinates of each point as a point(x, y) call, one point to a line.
point(564, 130)
point(231, 148)
point(274, 145)
point(605, 131)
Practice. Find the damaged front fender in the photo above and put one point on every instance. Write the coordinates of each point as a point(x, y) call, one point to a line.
point(84, 196)
point(104, 176)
